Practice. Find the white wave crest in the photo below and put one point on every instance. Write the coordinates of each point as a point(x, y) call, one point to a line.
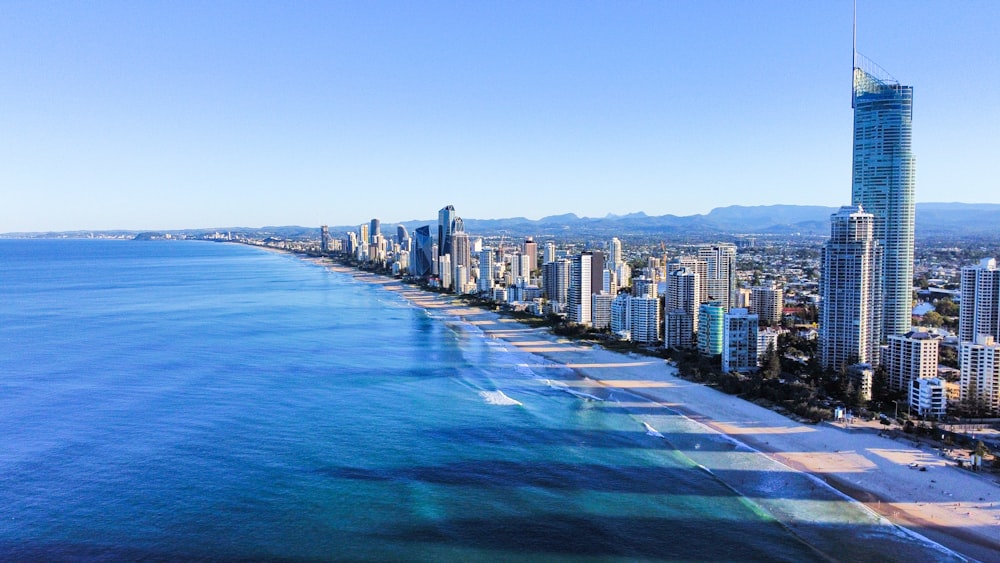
point(497, 398)
point(650, 431)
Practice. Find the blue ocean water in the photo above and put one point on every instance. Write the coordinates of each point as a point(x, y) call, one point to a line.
point(182, 400)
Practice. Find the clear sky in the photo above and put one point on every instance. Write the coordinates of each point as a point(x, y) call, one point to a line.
point(174, 114)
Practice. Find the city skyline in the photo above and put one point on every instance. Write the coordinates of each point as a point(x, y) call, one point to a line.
point(187, 116)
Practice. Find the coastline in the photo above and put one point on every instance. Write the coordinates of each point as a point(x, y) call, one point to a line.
point(945, 505)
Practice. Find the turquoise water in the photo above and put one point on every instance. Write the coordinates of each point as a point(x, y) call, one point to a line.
point(169, 400)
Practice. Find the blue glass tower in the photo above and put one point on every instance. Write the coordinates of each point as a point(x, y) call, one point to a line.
point(883, 181)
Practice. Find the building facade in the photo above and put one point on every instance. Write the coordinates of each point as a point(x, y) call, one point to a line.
point(979, 311)
point(767, 302)
point(910, 357)
point(883, 181)
point(711, 323)
point(850, 312)
point(739, 341)
point(980, 375)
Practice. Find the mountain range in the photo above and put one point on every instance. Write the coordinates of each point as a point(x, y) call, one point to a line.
point(933, 220)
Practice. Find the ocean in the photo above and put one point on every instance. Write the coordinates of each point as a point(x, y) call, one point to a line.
point(173, 400)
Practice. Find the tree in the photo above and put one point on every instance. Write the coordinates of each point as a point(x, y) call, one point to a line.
point(946, 308)
point(933, 318)
point(772, 364)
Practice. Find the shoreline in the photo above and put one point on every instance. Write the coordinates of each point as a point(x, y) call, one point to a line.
point(961, 513)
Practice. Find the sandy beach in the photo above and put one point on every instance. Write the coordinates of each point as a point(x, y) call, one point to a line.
point(948, 505)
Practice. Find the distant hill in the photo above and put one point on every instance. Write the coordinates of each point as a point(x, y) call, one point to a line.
point(932, 220)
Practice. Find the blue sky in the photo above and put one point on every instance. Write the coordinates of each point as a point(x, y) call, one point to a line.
point(159, 115)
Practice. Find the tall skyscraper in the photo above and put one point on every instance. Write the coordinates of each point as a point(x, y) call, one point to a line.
point(461, 251)
point(614, 253)
point(721, 273)
point(555, 280)
point(644, 319)
point(850, 318)
point(530, 249)
point(580, 289)
point(883, 181)
point(423, 252)
point(375, 230)
point(401, 234)
point(446, 219)
point(549, 254)
point(980, 309)
point(324, 243)
point(486, 271)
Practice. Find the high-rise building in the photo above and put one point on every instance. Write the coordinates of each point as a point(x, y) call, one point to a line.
point(580, 280)
point(911, 356)
point(423, 252)
point(850, 312)
point(401, 234)
point(644, 319)
point(883, 181)
point(614, 253)
point(767, 302)
point(678, 329)
point(446, 220)
point(739, 341)
point(979, 312)
point(530, 249)
point(486, 272)
point(549, 254)
point(644, 287)
point(620, 315)
point(711, 323)
point(556, 279)
point(601, 310)
point(596, 271)
point(461, 251)
point(364, 237)
point(720, 262)
point(979, 386)
point(324, 243)
point(699, 267)
point(374, 230)
point(681, 308)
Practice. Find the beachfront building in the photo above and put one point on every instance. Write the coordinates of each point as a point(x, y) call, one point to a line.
point(767, 302)
point(979, 312)
point(883, 181)
point(601, 310)
point(928, 398)
point(644, 319)
point(710, 328)
point(862, 378)
point(579, 290)
point(850, 310)
point(446, 220)
point(486, 271)
point(461, 252)
point(739, 341)
point(980, 375)
point(423, 247)
point(555, 280)
point(910, 357)
point(620, 311)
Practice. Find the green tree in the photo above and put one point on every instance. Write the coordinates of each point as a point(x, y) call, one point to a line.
point(946, 308)
point(933, 318)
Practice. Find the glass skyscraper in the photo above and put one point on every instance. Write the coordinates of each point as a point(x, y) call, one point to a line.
point(883, 181)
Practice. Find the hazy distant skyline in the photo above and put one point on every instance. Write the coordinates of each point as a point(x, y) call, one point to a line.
point(171, 115)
